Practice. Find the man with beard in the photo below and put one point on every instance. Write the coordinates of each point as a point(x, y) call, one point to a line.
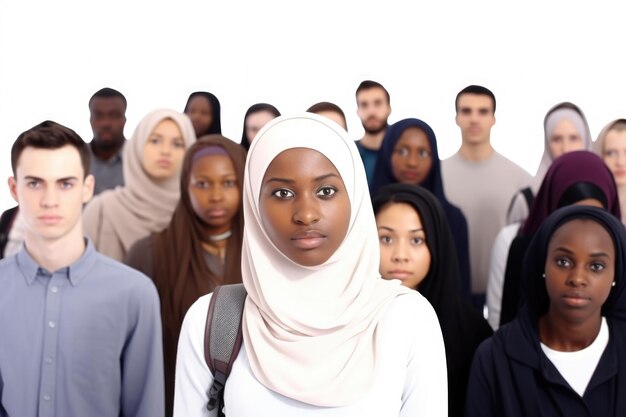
point(373, 108)
point(107, 108)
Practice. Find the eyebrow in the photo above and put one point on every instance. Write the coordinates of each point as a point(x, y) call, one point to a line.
point(290, 181)
point(594, 254)
point(32, 177)
point(392, 230)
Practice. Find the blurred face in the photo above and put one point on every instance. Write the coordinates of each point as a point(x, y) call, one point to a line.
point(565, 138)
point(475, 118)
point(50, 188)
point(412, 158)
point(164, 151)
point(580, 268)
point(256, 121)
point(304, 206)
point(214, 192)
point(335, 117)
point(373, 109)
point(200, 112)
point(107, 118)
point(614, 155)
point(404, 254)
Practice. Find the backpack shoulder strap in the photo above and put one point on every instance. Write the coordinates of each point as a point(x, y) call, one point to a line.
point(223, 338)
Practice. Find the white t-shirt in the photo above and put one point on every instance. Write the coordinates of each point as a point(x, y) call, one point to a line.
point(411, 379)
point(578, 367)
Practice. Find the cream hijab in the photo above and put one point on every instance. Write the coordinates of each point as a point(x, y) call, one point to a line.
point(143, 206)
point(311, 333)
point(562, 111)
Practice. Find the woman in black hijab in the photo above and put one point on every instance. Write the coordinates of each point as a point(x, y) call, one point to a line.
point(565, 352)
point(463, 328)
point(205, 113)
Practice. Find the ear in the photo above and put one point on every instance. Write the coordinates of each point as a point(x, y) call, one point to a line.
point(13, 188)
point(88, 186)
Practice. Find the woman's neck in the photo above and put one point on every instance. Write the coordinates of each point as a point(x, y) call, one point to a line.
point(566, 336)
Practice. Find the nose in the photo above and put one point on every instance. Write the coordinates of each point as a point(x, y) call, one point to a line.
point(577, 278)
point(50, 198)
point(216, 194)
point(306, 211)
point(400, 252)
point(413, 159)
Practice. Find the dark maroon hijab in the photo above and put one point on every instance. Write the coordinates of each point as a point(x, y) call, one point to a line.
point(567, 170)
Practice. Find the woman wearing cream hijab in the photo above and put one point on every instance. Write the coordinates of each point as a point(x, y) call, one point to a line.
point(115, 219)
point(323, 334)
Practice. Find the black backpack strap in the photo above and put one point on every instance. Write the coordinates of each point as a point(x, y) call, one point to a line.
point(6, 222)
point(222, 338)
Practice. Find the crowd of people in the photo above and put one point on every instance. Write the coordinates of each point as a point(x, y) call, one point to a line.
point(374, 278)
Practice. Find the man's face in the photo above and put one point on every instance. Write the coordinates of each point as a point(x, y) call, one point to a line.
point(373, 109)
point(50, 188)
point(475, 117)
point(108, 117)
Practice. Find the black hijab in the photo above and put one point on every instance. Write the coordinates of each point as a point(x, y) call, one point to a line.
point(216, 110)
point(383, 175)
point(462, 327)
point(533, 283)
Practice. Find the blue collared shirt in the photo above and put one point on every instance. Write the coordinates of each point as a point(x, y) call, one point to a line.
point(81, 341)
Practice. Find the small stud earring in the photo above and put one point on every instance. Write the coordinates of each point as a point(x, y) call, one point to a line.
point(613, 284)
point(543, 275)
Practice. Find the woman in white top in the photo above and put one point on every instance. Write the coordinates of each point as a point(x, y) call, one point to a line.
point(323, 334)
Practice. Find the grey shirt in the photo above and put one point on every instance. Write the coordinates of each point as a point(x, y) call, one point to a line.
point(81, 341)
point(108, 174)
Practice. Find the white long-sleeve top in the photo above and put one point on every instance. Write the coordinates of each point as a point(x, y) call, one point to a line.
point(411, 379)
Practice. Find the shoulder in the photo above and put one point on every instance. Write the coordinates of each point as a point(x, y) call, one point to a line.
point(510, 166)
point(122, 276)
point(140, 252)
point(412, 311)
point(197, 313)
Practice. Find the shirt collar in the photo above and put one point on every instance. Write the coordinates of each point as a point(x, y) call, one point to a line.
point(76, 272)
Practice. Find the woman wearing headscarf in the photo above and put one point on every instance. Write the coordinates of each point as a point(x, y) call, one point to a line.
point(201, 247)
point(565, 353)
point(204, 110)
point(116, 219)
point(409, 155)
point(565, 129)
point(437, 275)
point(257, 116)
point(578, 177)
point(323, 334)
point(611, 146)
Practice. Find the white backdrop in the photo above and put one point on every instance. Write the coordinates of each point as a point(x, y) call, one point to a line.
point(55, 54)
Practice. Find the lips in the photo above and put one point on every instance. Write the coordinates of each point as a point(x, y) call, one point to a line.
point(576, 299)
point(400, 274)
point(164, 163)
point(410, 175)
point(308, 240)
point(50, 219)
point(216, 212)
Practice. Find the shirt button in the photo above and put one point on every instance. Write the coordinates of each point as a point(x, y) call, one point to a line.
point(51, 324)
point(54, 290)
point(46, 397)
point(48, 359)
